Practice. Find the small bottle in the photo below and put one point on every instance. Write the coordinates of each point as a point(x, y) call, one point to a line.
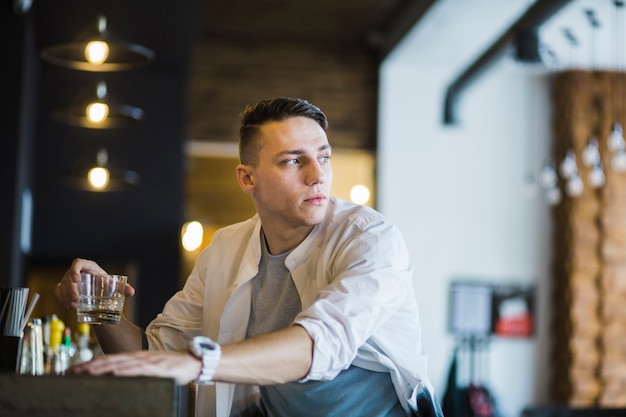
point(84, 352)
point(31, 352)
point(57, 355)
point(45, 328)
point(67, 350)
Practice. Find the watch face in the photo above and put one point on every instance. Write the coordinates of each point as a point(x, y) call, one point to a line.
point(206, 346)
point(203, 344)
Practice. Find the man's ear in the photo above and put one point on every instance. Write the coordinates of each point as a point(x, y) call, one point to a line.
point(245, 178)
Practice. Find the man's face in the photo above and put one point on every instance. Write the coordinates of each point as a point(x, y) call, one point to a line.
point(291, 183)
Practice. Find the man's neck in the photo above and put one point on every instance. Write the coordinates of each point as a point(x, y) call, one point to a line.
point(281, 241)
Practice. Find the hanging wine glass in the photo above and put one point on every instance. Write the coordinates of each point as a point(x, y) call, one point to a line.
point(616, 142)
point(596, 176)
point(574, 185)
point(591, 153)
point(616, 138)
point(618, 161)
point(568, 166)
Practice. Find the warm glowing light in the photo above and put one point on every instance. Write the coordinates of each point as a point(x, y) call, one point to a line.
point(97, 112)
point(98, 177)
point(192, 235)
point(96, 52)
point(359, 194)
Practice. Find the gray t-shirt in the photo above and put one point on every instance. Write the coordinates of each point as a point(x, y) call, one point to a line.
point(354, 392)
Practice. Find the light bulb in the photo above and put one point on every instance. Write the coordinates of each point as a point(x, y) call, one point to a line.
point(101, 90)
point(97, 112)
point(359, 194)
point(596, 177)
point(591, 154)
point(98, 177)
point(553, 196)
point(102, 157)
point(102, 23)
point(616, 138)
point(568, 166)
point(574, 186)
point(192, 235)
point(96, 52)
point(618, 162)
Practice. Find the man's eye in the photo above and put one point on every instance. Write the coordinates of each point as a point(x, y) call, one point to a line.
point(291, 161)
point(325, 158)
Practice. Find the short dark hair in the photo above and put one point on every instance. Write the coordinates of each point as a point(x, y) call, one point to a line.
point(255, 115)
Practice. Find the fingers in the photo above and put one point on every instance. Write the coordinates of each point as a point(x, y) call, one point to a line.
point(108, 364)
point(66, 291)
point(63, 297)
point(175, 365)
point(85, 265)
point(129, 290)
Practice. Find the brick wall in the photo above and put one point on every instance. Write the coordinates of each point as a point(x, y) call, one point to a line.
point(227, 75)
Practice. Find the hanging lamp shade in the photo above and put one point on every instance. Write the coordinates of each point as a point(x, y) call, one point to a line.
point(96, 109)
point(102, 176)
point(98, 52)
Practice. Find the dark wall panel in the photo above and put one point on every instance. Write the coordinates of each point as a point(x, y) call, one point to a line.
point(136, 225)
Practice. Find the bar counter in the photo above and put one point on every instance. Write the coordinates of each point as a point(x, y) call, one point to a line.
point(90, 396)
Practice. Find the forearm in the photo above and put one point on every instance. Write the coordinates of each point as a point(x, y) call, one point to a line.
point(116, 338)
point(278, 357)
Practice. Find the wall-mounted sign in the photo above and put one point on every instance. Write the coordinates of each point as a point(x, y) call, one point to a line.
point(470, 309)
point(513, 310)
point(483, 309)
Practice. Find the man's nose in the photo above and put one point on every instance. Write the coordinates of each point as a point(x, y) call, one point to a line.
point(316, 173)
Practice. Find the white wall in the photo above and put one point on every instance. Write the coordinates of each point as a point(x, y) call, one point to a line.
point(459, 195)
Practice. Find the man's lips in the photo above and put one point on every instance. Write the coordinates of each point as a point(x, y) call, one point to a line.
point(316, 199)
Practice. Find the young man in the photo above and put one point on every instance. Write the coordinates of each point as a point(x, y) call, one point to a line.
point(306, 309)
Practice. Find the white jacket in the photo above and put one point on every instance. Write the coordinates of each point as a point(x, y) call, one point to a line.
point(355, 282)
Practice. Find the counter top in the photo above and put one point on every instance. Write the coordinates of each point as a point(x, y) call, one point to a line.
point(69, 396)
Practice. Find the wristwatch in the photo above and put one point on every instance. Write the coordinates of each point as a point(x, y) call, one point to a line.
point(209, 353)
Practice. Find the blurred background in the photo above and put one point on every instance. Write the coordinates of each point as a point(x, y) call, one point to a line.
point(450, 116)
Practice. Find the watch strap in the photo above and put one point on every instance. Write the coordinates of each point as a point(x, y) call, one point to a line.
point(209, 353)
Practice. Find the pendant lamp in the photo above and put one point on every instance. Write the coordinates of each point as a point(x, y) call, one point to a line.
point(98, 52)
point(96, 109)
point(102, 177)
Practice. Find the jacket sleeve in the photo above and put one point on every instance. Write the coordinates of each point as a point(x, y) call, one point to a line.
point(370, 280)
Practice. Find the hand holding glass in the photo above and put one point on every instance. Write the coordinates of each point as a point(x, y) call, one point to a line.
point(100, 298)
